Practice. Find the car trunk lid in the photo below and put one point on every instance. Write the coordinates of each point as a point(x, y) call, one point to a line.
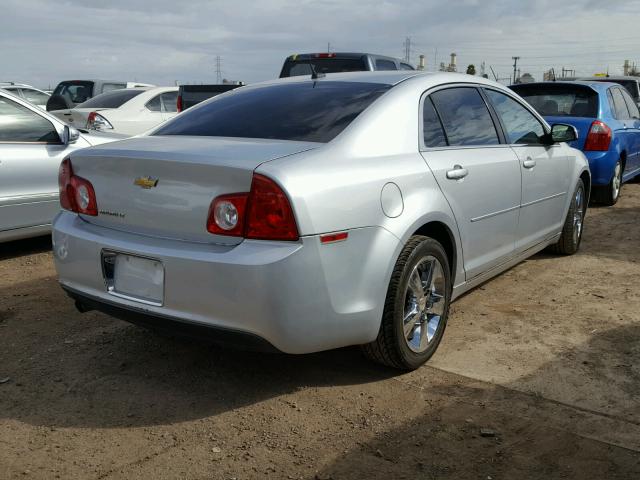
point(162, 186)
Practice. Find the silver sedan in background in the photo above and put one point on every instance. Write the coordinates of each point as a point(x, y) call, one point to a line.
point(32, 145)
point(313, 213)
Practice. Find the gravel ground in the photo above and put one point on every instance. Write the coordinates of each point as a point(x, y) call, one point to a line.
point(538, 376)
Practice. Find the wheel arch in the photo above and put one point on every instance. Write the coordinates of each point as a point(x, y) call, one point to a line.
point(586, 180)
point(441, 232)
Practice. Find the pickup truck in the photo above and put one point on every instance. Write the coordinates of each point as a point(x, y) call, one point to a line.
point(190, 95)
point(300, 64)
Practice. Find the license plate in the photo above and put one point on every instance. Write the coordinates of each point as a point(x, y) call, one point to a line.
point(137, 278)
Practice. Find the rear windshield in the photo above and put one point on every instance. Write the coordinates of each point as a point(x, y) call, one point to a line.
point(294, 68)
point(112, 99)
point(560, 100)
point(305, 111)
point(77, 91)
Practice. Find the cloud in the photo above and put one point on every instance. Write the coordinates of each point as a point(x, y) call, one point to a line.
point(163, 41)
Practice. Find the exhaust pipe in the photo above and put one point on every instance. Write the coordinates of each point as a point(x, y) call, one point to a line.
point(81, 307)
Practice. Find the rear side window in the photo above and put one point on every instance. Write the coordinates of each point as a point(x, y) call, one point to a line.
point(631, 105)
point(34, 96)
point(294, 68)
point(520, 125)
point(114, 99)
point(560, 100)
point(431, 127)
point(305, 111)
point(385, 65)
point(465, 117)
point(169, 101)
point(621, 111)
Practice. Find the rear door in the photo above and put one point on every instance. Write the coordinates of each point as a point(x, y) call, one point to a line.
point(623, 128)
point(479, 177)
point(633, 131)
point(545, 170)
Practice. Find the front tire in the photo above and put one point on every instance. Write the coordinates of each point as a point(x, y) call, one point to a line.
point(416, 307)
point(571, 237)
point(609, 194)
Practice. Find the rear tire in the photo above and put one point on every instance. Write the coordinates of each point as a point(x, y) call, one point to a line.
point(609, 194)
point(416, 307)
point(571, 237)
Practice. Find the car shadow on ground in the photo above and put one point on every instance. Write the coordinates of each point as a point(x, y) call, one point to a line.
point(24, 247)
point(482, 431)
point(89, 370)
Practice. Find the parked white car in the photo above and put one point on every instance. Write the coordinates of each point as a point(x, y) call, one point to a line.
point(32, 145)
point(128, 111)
point(29, 93)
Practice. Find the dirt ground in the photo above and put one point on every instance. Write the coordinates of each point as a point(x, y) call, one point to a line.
point(538, 376)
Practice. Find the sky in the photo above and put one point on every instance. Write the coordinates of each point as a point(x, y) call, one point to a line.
point(162, 41)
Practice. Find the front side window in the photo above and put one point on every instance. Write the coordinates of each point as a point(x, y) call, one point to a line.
point(465, 117)
point(520, 125)
point(432, 131)
point(622, 113)
point(385, 65)
point(304, 111)
point(20, 124)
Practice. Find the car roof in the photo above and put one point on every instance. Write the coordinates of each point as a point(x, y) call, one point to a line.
point(611, 77)
point(305, 56)
point(593, 84)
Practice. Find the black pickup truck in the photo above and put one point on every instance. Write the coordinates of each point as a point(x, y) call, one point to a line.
point(190, 95)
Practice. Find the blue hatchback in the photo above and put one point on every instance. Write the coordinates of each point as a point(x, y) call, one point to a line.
point(608, 124)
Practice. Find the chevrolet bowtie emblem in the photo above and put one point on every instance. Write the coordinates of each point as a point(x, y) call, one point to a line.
point(146, 182)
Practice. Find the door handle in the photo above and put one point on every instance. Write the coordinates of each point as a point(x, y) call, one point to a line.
point(529, 163)
point(457, 173)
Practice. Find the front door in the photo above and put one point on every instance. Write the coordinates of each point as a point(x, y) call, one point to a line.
point(545, 171)
point(30, 154)
point(479, 177)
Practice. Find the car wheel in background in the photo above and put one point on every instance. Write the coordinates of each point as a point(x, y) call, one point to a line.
point(416, 307)
point(609, 194)
point(573, 225)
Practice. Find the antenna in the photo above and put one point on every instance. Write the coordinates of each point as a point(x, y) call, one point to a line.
point(495, 77)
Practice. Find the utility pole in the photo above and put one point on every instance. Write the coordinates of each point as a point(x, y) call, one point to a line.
point(515, 66)
point(328, 47)
point(218, 70)
point(407, 49)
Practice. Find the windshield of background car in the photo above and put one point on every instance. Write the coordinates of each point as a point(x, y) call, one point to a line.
point(112, 99)
point(305, 111)
point(554, 100)
point(295, 68)
point(77, 91)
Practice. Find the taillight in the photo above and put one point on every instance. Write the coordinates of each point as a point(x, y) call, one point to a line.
point(179, 103)
point(262, 214)
point(227, 215)
point(76, 193)
point(599, 137)
point(269, 213)
point(325, 55)
point(95, 121)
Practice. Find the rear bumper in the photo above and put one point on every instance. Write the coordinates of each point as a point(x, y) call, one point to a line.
point(601, 165)
point(300, 297)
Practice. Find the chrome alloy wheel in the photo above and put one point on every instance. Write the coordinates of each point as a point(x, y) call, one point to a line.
point(578, 214)
point(616, 181)
point(424, 303)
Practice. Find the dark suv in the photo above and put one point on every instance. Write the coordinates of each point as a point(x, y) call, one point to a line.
point(300, 64)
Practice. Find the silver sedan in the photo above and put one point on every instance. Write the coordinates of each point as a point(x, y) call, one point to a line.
point(312, 213)
point(32, 145)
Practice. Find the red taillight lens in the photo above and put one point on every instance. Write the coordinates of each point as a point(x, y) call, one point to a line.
point(179, 103)
point(269, 213)
point(599, 137)
point(262, 214)
point(325, 55)
point(227, 215)
point(91, 119)
point(76, 193)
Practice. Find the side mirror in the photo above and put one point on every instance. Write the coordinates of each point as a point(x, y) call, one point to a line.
point(561, 132)
point(69, 135)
